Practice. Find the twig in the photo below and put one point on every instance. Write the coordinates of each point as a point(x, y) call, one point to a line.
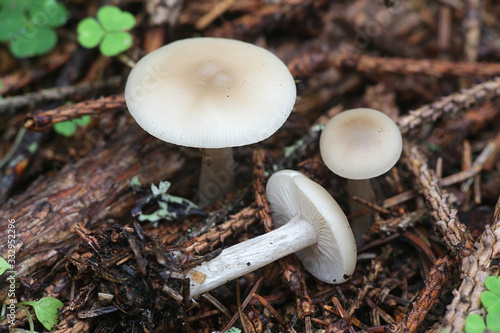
point(438, 277)
point(43, 120)
point(399, 223)
point(455, 234)
point(23, 77)
point(273, 312)
point(16, 161)
point(404, 66)
point(450, 105)
point(215, 236)
point(58, 93)
point(247, 300)
point(216, 11)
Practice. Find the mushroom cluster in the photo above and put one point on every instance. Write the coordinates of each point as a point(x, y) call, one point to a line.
point(216, 93)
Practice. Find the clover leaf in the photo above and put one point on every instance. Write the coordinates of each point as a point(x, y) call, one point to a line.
point(493, 321)
point(109, 31)
point(28, 25)
point(490, 298)
point(474, 323)
point(68, 128)
point(46, 310)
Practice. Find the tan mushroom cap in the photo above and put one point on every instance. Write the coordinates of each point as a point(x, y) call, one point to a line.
point(292, 195)
point(360, 143)
point(210, 93)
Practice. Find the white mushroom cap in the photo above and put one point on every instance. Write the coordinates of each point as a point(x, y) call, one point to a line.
point(360, 143)
point(210, 93)
point(291, 194)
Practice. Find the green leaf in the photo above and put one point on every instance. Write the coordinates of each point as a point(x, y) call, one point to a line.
point(65, 128)
point(4, 265)
point(47, 13)
point(115, 43)
point(114, 19)
point(474, 323)
point(233, 330)
point(493, 321)
point(12, 20)
point(82, 121)
point(46, 310)
point(90, 32)
point(35, 41)
point(493, 284)
point(490, 301)
point(135, 182)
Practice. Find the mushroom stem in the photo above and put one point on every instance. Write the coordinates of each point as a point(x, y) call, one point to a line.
point(251, 255)
point(360, 224)
point(217, 175)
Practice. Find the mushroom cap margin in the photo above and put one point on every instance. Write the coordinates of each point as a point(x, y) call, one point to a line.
point(291, 194)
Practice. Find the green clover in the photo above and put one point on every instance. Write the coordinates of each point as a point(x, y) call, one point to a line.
point(28, 25)
point(109, 31)
point(68, 128)
point(490, 298)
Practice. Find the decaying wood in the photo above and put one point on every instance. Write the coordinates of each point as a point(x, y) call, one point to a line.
point(88, 192)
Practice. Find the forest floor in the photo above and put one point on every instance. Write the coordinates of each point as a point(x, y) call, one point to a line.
point(74, 202)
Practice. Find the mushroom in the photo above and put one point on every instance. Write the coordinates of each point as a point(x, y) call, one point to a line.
point(360, 144)
point(310, 224)
point(211, 93)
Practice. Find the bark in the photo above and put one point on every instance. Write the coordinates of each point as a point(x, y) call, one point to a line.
point(90, 191)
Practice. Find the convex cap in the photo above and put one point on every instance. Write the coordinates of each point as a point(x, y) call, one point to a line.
point(210, 93)
point(360, 143)
point(292, 195)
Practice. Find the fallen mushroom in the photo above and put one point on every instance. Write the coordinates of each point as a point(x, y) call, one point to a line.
point(310, 224)
point(211, 93)
point(360, 144)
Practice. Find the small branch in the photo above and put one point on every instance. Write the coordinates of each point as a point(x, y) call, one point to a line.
point(215, 236)
point(43, 120)
point(58, 93)
point(450, 105)
point(22, 78)
point(455, 234)
point(404, 66)
point(438, 277)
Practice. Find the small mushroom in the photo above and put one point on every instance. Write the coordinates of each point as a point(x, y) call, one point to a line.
point(211, 93)
point(360, 144)
point(310, 224)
